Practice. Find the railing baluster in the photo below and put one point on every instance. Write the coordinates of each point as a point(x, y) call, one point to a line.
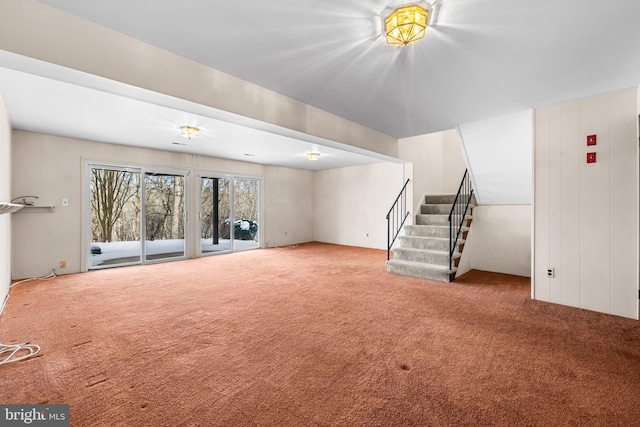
point(397, 215)
point(458, 214)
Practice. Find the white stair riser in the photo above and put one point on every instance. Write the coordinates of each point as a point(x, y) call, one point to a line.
point(424, 243)
point(440, 199)
point(427, 230)
point(435, 209)
point(423, 219)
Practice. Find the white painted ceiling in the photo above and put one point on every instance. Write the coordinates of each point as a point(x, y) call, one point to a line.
point(46, 98)
point(479, 59)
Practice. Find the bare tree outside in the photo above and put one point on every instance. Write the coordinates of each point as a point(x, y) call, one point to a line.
point(118, 205)
point(215, 212)
point(164, 206)
point(115, 198)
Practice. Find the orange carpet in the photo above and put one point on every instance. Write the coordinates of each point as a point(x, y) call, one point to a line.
point(314, 335)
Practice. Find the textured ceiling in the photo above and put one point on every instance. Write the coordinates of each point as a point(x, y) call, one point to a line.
point(479, 59)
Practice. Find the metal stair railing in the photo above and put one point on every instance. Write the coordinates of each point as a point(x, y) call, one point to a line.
point(396, 217)
point(458, 214)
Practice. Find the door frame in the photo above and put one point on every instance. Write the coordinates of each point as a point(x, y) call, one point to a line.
point(231, 178)
point(86, 211)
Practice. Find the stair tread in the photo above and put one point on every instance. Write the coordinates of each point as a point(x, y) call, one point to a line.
point(421, 249)
point(446, 239)
point(425, 237)
point(443, 215)
point(435, 225)
point(431, 251)
point(438, 267)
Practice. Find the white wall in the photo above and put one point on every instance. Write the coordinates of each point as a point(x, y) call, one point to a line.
point(351, 203)
point(438, 163)
point(498, 151)
point(37, 30)
point(499, 240)
point(586, 215)
point(52, 167)
point(500, 235)
point(5, 196)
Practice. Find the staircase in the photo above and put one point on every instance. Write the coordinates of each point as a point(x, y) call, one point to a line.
point(423, 250)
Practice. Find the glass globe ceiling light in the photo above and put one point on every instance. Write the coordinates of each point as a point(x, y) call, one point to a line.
point(406, 25)
point(189, 132)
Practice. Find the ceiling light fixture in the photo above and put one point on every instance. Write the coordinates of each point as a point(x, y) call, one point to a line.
point(313, 156)
point(189, 132)
point(406, 25)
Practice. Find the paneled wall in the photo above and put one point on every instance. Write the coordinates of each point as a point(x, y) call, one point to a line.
point(586, 215)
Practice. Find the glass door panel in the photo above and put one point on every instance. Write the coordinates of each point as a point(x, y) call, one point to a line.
point(214, 215)
point(246, 211)
point(115, 217)
point(164, 214)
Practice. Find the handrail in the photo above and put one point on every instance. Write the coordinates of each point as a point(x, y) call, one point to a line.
point(393, 216)
point(458, 213)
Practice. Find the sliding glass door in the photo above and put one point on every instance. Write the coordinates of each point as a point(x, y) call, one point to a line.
point(115, 217)
point(164, 215)
point(129, 206)
point(215, 215)
point(246, 210)
point(229, 214)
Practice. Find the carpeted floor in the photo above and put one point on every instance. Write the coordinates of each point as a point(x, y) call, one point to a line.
point(315, 335)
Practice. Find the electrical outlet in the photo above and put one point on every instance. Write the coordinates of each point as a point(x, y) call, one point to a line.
point(63, 264)
point(65, 202)
point(551, 273)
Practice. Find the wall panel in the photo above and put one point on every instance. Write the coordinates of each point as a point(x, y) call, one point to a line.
point(588, 230)
point(541, 204)
point(623, 207)
point(569, 278)
point(594, 207)
point(555, 202)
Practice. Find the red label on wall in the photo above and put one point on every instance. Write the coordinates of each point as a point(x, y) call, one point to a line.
point(591, 140)
point(591, 157)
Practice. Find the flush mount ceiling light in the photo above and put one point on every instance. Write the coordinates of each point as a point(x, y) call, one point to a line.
point(406, 25)
point(189, 132)
point(313, 156)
